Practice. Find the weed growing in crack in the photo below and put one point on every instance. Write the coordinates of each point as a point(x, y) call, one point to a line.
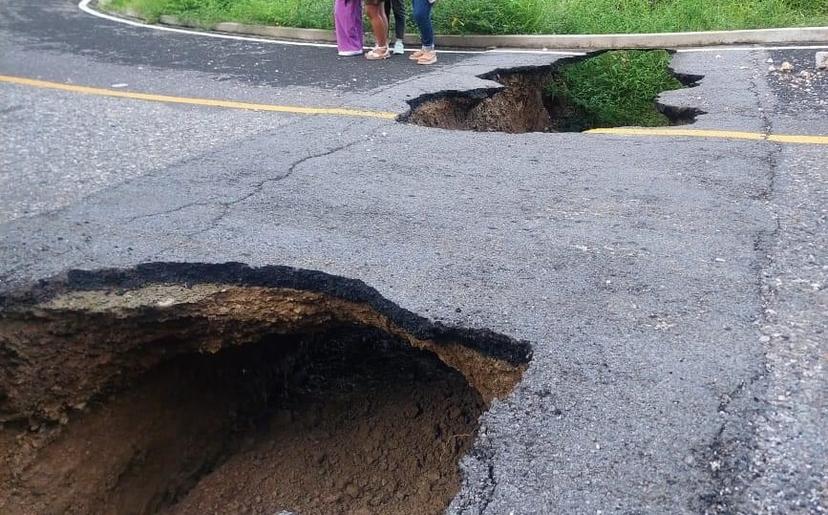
point(614, 89)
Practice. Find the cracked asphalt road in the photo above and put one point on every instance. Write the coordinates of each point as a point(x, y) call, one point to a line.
point(673, 289)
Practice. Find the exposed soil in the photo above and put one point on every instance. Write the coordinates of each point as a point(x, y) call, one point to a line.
point(364, 431)
point(519, 107)
point(216, 398)
point(522, 104)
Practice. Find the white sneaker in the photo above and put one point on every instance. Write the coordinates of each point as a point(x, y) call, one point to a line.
point(399, 47)
point(350, 53)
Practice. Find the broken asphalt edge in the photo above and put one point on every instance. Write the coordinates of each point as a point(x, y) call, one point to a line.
point(489, 343)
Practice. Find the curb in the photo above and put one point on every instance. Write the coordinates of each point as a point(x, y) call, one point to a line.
point(569, 42)
point(544, 42)
point(325, 36)
point(652, 40)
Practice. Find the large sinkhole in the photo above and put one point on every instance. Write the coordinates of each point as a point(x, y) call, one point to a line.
point(174, 388)
point(601, 89)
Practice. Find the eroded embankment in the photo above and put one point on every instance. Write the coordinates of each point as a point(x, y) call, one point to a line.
point(203, 388)
point(528, 102)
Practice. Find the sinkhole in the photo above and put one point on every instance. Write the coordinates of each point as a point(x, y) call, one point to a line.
point(190, 388)
point(601, 89)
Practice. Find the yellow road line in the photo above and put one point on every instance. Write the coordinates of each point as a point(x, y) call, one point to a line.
point(229, 104)
point(336, 111)
point(805, 140)
point(705, 133)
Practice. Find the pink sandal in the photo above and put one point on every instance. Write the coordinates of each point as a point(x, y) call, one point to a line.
point(377, 53)
point(428, 57)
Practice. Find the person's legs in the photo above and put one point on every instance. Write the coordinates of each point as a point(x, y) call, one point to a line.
point(399, 17)
point(399, 23)
point(422, 15)
point(379, 22)
point(348, 22)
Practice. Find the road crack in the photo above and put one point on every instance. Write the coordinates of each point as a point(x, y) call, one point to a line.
point(727, 460)
point(258, 187)
point(227, 206)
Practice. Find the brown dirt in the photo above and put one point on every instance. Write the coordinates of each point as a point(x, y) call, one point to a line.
point(519, 107)
point(216, 399)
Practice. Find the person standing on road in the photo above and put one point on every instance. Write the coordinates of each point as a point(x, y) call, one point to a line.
point(379, 25)
point(398, 6)
point(422, 15)
point(348, 24)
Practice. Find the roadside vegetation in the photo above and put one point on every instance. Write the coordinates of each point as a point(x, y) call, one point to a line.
point(615, 89)
point(515, 16)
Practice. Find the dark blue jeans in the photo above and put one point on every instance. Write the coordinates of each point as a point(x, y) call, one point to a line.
point(422, 15)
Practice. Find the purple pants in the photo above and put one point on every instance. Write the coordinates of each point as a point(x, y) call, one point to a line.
point(348, 22)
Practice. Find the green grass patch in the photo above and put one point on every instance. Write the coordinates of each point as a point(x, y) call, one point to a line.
point(614, 89)
point(517, 16)
point(287, 13)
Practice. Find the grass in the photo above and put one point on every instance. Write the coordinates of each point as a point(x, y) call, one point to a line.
point(615, 89)
point(517, 16)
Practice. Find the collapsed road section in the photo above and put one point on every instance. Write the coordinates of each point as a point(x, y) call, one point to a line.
point(601, 89)
point(184, 388)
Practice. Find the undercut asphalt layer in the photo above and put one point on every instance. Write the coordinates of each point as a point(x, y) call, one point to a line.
point(484, 341)
point(672, 289)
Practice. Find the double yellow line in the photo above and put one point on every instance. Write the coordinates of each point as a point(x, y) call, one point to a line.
point(383, 115)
